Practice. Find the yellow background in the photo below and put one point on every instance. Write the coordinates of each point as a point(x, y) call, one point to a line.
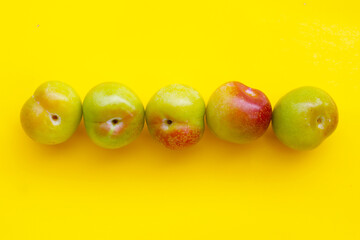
point(214, 190)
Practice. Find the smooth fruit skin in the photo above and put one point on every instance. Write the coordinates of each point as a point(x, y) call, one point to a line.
point(113, 115)
point(175, 116)
point(237, 113)
point(52, 114)
point(304, 117)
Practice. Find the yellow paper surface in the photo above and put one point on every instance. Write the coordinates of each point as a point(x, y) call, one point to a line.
point(214, 190)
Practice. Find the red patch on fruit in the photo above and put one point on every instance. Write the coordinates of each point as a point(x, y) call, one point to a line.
point(178, 138)
point(250, 109)
point(114, 129)
point(249, 95)
point(108, 129)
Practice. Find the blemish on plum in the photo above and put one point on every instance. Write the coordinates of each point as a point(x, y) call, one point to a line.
point(169, 122)
point(115, 121)
point(54, 117)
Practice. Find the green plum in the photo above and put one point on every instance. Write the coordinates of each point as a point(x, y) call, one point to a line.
point(304, 118)
point(113, 115)
point(238, 113)
point(175, 116)
point(52, 114)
